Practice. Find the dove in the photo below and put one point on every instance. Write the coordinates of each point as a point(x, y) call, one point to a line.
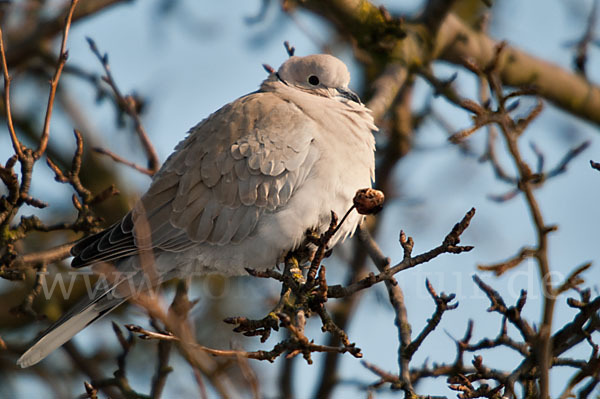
point(240, 191)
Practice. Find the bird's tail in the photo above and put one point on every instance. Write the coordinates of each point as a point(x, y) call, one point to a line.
point(81, 315)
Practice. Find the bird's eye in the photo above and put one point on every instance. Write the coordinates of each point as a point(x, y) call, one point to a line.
point(313, 80)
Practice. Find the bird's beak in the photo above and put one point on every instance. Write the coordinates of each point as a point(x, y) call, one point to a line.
point(349, 95)
point(279, 78)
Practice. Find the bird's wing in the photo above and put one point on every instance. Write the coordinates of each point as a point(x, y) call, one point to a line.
point(245, 159)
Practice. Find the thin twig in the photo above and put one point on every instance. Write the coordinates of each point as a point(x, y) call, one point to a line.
point(62, 59)
point(128, 104)
point(9, 121)
point(450, 245)
point(122, 160)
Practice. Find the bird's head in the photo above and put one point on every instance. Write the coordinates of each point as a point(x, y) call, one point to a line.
point(319, 74)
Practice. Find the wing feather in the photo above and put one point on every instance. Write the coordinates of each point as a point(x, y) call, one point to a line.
point(247, 223)
point(248, 190)
point(207, 221)
point(231, 168)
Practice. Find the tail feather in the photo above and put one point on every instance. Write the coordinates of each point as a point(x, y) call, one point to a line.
point(84, 313)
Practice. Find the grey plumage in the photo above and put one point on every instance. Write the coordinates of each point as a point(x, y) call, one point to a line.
point(241, 189)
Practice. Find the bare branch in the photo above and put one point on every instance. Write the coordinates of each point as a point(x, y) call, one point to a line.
point(450, 245)
point(62, 59)
point(129, 105)
point(119, 159)
point(7, 79)
point(502, 267)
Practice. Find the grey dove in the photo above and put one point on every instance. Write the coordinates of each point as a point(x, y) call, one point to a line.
point(240, 191)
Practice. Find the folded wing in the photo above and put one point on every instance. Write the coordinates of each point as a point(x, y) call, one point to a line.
point(246, 159)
